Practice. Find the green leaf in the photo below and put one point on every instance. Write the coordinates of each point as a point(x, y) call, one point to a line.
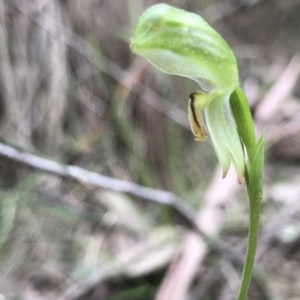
point(243, 119)
point(255, 174)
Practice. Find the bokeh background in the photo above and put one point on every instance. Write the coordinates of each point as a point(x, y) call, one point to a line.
point(72, 91)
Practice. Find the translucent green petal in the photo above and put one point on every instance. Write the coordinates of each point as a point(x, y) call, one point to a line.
point(224, 135)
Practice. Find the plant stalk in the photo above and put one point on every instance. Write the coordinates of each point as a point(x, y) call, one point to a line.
point(251, 249)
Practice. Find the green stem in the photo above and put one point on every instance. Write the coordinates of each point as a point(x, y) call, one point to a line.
point(253, 176)
point(251, 250)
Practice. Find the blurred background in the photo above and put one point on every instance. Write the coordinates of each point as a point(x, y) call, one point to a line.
point(72, 91)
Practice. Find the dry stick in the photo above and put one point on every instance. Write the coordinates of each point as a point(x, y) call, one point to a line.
point(95, 179)
point(186, 263)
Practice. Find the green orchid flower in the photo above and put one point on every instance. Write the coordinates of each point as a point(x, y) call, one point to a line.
point(182, 43)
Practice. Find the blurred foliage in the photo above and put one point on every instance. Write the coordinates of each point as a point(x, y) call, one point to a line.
point(66, 93)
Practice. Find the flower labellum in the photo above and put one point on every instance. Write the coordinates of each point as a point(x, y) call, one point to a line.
point(182, 43)
point(197, 103)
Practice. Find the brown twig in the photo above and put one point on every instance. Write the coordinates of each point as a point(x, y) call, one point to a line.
point(98, 180)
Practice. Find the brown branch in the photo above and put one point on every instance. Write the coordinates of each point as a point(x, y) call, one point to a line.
point(98, 180)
